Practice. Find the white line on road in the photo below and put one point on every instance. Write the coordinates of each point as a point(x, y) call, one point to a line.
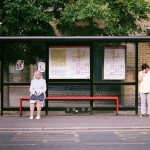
point(115, 144)
point(17, 144)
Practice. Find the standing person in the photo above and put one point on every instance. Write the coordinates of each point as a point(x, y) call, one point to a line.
point(37, 86)
point(144, 89)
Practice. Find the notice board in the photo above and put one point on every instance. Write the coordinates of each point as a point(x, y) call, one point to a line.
point(114, 62)
point(69, 62)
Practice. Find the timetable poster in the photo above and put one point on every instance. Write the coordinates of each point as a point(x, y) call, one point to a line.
point(114, 62)
point(69, 62)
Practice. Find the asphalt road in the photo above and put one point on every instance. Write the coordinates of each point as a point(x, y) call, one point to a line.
point(75, 140)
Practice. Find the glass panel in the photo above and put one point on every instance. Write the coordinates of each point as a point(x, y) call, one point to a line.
point(20, 63)
point(69, 90)
point(22, 60)
point(130, 63)
point(144, 54)
point(125, 93)
point(0, 73)
point(0, 81)
point(19, 75)
point(99, 62)
point(12, 95)
point(128, 95)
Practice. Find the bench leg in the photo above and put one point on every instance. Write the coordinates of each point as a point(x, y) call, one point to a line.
point(117, 103)
point(46, 108)
point(20, 107)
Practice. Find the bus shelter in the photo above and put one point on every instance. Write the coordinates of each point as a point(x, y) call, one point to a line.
point(82, 65)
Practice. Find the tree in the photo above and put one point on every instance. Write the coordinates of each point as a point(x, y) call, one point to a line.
point(70, 17)
point(105, 17)
point(29, 17)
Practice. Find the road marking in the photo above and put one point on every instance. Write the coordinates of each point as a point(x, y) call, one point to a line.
point(133, 136)
point(46, 137)
point(17, 144)
point(114, 144)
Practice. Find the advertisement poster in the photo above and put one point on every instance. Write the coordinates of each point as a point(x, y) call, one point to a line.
point(19, 64)
point(69, 62)
point(114, 62)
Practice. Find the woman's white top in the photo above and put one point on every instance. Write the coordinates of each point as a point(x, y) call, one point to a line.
point(144, 84)
point(38, 86)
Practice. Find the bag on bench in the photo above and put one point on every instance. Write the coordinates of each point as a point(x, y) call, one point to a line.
point(37, 97)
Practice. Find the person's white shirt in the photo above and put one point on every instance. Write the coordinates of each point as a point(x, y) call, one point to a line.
point(38, 86)
point(144, 82)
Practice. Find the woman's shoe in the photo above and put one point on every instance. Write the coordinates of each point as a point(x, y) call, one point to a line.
point(31, 117)
point(37, 117)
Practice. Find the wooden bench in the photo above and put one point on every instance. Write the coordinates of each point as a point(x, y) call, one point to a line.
point(73, 98)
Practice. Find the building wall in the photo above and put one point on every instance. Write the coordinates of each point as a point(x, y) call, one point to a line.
point(143, 57)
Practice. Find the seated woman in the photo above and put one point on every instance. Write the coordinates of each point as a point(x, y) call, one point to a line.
point(37, 86)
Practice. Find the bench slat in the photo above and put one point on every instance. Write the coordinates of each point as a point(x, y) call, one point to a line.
point(81, 98)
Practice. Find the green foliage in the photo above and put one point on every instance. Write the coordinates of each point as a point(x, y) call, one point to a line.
point(32, 17)
point(25, 17)
point(120, 17)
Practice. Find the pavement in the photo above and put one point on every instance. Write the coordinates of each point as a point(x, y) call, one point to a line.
point(97, 121)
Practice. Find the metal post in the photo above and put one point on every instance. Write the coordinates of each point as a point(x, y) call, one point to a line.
point(91, 73)
point(2, 61)
point(136, 78)
point(46, 74)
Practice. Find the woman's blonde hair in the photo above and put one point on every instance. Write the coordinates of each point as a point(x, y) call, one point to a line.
point(34, 77)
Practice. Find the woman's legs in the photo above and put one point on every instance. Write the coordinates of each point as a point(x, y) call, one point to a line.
point(38, 105)
point(31, 110)
point(148, 104)
point(143, 103)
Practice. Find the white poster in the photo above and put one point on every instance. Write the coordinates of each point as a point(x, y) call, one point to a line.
point(69, 62)
point(41, 66)
point(114, 62)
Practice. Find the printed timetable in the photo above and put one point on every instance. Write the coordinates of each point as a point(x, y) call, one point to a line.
point(114, 62)
point(69, 62)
